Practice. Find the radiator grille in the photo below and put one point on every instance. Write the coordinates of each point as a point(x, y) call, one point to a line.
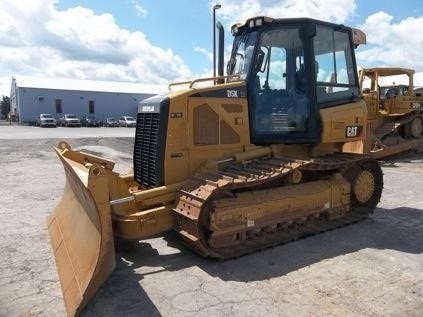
point(147, 165)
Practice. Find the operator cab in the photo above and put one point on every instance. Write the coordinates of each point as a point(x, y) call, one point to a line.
point(292, 69)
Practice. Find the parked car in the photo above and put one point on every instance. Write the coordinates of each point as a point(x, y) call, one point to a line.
point(110, 122)
point(70, 120)
point(126, 121)
point(90, 121)
point(45, 120)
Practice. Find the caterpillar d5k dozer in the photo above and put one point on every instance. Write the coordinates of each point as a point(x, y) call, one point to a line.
point(252, 160)
point(394, 111)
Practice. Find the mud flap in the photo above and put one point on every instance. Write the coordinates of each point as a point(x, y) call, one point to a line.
point(81, 233)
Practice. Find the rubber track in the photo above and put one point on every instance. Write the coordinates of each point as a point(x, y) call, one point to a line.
point(201, 189)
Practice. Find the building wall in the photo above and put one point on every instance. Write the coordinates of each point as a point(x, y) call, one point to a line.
point(33, 101)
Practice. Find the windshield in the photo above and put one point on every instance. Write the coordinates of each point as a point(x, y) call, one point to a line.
point(46, 116)
point(70, 116)
point(242, 54)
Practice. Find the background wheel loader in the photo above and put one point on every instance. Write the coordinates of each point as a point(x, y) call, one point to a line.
point(252, 160)
point(394, 111)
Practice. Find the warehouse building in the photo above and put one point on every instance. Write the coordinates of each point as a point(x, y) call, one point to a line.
point(30, 96)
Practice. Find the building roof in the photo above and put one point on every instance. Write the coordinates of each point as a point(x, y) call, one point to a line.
point(87, 85)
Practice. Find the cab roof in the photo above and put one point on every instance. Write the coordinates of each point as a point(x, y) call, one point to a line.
point(359, 37)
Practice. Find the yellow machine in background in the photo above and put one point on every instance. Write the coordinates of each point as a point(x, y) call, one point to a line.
point(394, 111)
point(252, 160)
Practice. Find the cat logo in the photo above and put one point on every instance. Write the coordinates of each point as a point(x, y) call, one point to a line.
point(353, 131)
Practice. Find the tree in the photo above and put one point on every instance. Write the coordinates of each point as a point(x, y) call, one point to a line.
point(5, 105)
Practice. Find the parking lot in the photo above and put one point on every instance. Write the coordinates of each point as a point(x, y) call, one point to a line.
point(372, 268)
point(12, 132)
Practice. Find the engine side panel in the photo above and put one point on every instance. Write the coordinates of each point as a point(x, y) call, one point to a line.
point(205, 125)
point(344, 123)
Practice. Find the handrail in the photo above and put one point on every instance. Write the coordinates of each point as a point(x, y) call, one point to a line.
point(212, 78)
point(178, 83)
point(193, 82)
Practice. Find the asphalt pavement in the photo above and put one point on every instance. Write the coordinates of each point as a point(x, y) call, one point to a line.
point(372, 268)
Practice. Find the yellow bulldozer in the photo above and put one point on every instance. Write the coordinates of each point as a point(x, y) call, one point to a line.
point(235, 163)
point(394, 111)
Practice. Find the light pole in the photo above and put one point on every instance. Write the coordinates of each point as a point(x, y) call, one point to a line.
point(215, 7)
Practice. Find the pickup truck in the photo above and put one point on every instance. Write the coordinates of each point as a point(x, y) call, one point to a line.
point(69, 120)
point(45, 120)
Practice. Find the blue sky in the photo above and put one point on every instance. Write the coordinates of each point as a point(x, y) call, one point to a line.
point(162, 41)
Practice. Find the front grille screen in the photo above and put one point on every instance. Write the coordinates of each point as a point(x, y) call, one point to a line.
point(146, 156)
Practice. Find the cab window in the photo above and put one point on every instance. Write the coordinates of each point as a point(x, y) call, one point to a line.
point(335, 77)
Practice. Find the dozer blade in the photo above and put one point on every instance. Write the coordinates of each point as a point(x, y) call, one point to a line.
point(81, 233)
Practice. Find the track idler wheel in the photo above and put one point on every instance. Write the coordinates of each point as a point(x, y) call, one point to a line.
point(366, 179)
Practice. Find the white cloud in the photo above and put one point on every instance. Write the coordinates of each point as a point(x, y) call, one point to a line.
point(38, 39)
point(140, 10)
point(395, 44)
